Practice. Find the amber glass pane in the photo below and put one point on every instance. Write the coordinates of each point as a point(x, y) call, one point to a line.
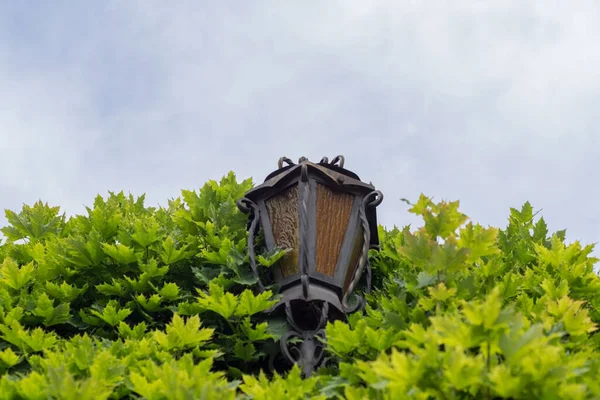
point(333, 213)
point(283, 213)
point(356, 250)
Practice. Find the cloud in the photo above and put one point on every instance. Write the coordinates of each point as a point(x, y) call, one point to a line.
point(491, 103)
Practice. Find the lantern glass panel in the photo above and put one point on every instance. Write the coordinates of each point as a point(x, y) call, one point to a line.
point(333, 214)
point(283, 213)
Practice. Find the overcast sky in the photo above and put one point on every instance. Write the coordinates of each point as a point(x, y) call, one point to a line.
point(490, 102)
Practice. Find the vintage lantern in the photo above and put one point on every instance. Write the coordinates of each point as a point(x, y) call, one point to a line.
point(325, 215)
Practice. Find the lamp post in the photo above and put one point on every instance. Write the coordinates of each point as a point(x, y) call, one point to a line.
point(325, 215)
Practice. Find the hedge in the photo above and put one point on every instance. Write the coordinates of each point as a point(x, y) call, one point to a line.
point(132, 301)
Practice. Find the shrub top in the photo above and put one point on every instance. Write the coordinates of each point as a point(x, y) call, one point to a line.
point(131, 301)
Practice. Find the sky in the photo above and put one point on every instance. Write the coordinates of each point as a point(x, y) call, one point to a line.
point(492, 103)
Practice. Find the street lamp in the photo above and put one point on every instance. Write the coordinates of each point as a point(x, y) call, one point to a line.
point(325, 215)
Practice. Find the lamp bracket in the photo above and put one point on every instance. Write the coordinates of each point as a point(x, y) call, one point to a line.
point(308, 354)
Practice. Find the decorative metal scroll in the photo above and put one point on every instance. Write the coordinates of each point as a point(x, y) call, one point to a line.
point(338, 160)
point(309, 353)
point(373, 199)
point(248, 206)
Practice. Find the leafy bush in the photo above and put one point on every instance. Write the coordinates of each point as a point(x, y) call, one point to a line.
point(144, 302)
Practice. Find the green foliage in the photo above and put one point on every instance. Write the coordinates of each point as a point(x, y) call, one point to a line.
point(131, 301)
point(471, 312)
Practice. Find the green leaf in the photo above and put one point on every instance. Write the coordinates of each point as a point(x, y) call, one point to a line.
point(90, 319)
point(16, 277)
point(116, 288)
point(396, 370)
point(425, 279)
point(485, 313)
point(137, 333)
point(553, 291)
point(121, 253)
point(515, 345)
point(224, 304)
point(65, 292)
point(37, 340)
point(244, 351)
point(16, 314)
point(112, 314)
point(9, 358)
point(187, 308)
point(145, 231)
point(51, 315)
point(441, 292)
point(417, 249)
point(505, 384)
point(223, 256)
point(249, 304)
point(85, 252)
point(140, 285)
point(151, 304)
point(269, 259)
point(105, 217)
point(379, 339)
point(256, 333)
point(181, 334)
point(540, 231)
point(35, 223)
point(169, 291)
point(464, 372)
point(341, 339)
point(574, 317)
point(152, 270)
point(441, 219)
point(170, 254)
point(526, 213)
point(421, 206)
point(448, 258)
point(145, 388)
point(480, 241)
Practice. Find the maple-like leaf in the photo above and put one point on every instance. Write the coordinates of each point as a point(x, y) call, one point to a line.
point(170, 254)
point(182, 334)
point(36, 222)
point(121, 253)
point(249, 304)
point(112, 314)
point(14, 276)
point(217, 300)
point(480, 241)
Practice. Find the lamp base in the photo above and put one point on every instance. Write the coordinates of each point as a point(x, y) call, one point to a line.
point(307, 314)
point(315, 293)
point(307, 320)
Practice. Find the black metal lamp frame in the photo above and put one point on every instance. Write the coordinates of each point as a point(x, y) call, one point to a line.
point(307, 296)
